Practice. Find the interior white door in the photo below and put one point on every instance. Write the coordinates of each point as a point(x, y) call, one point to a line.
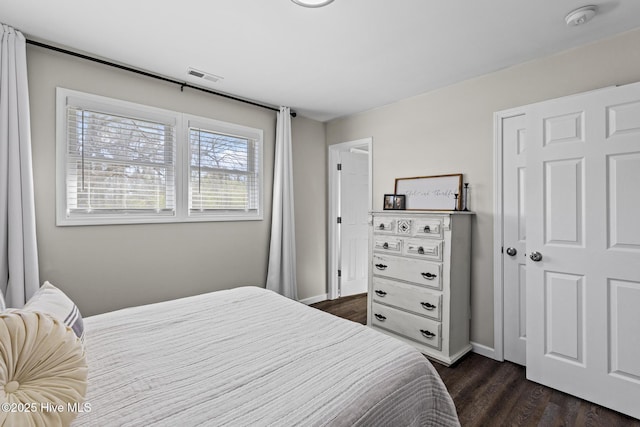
point(354, 231)
point(514, 238)
point(583, 199)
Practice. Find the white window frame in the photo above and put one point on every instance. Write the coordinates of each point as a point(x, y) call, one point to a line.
point(217, 126)
point(182, 122)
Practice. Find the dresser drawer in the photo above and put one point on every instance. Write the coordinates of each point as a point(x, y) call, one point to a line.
point(417, 328)
point(408, 297)
point(431, 228)
point(418, 271)
point(384, 225)
point(424, 248)
point(387, 244)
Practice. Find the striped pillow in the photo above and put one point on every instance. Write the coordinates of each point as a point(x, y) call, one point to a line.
point(52, 301)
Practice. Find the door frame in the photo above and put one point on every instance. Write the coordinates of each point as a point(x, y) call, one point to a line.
point(498, 226)
point(333, 248)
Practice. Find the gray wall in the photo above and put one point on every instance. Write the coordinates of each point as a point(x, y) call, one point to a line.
point(108, 267)
point(310, 192)
point(451, 131)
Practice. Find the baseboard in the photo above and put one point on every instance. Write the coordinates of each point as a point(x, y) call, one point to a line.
point(313, 300)
point(483, 350)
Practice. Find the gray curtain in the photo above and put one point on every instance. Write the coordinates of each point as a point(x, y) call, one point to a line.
point(18, 251)
point(281, 276)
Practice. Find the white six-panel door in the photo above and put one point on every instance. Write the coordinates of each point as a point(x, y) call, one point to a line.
point(583, 206)
point(514, 235)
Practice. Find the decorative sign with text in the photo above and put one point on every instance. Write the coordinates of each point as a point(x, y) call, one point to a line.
point(431, 193)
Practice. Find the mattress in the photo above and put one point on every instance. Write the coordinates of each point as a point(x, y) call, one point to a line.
point(250, 357)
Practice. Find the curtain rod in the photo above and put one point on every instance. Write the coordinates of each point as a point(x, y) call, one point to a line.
point(152, 75)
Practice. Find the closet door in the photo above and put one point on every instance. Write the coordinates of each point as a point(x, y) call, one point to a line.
point(583, 246)
point(514, 256)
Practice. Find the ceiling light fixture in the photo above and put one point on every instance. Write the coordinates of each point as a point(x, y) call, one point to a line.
point(580, 16)
point(312, 3)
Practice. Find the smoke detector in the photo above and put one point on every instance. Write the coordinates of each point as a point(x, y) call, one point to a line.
point(580, 16)
point(203, 75)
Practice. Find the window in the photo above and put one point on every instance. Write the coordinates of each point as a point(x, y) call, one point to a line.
point(224, 168)
point(119, 162)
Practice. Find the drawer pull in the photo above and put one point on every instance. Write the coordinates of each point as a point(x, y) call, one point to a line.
point(427, 306)
point(429, 276)
point(385, 245)
point(380, 293)
point(427, 334)
point(381, 226)
point(421, 250)
point(427, 229)
point(381, 266)
point(380, 317)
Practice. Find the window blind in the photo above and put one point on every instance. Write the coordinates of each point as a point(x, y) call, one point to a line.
point(223, 173)
point(118, 164)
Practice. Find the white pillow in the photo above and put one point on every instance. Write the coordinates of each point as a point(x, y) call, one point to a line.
point(51, 300)
point(3, 304)
point(42, 365)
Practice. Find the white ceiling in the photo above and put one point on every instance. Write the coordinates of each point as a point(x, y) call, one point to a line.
point(350, 56)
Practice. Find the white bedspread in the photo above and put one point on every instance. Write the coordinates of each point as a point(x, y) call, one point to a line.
point(249, 357)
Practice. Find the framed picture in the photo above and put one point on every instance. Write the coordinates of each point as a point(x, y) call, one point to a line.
point(399, 202)
point(389, 201)
point(431, 193)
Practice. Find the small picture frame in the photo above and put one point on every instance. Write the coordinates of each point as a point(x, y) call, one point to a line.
point(394, 202)
point(389, 202)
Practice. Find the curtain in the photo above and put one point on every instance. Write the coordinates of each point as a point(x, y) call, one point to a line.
point(281, 275)
point(18, 250)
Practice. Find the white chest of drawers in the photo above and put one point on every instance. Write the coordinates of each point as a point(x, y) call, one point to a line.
point(419, 276)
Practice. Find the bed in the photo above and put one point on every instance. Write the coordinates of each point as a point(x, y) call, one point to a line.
point(250, 357)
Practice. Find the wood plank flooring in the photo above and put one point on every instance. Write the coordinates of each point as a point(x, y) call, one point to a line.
point(353, 308)
point(491, 393)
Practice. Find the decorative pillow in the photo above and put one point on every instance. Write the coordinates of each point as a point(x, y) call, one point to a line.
point(43, 371)
point(51, 300)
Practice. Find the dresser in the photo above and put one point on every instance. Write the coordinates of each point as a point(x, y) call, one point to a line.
point(419, 276)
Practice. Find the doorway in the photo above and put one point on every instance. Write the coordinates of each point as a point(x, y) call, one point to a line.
point(350, 201)
point(566, 178)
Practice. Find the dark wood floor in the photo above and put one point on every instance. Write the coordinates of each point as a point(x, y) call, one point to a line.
point(491, 393)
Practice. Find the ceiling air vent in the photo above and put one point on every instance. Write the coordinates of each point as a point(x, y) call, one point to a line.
point(202, 75)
